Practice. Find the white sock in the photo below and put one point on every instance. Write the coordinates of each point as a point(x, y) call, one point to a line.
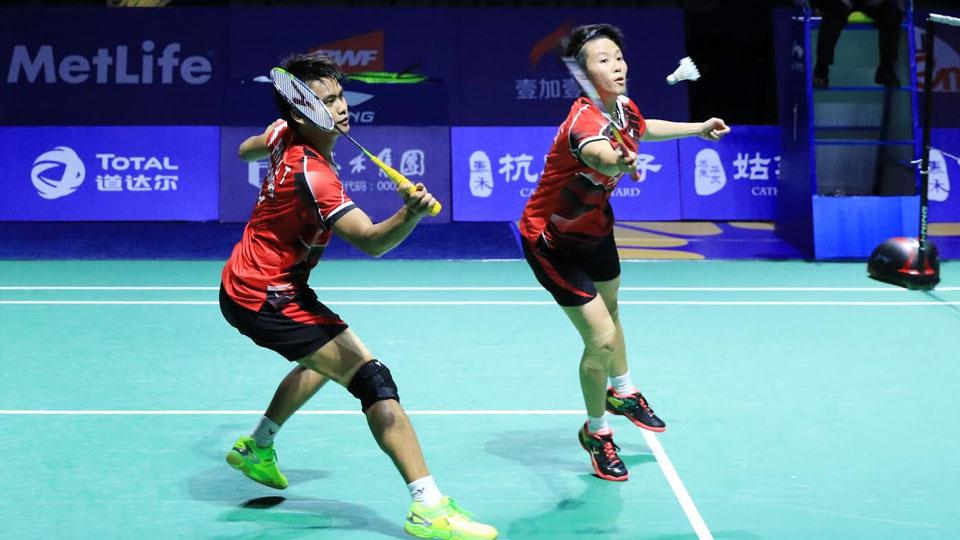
point(425, 491)
point(595, 425)
point(264, 432)
point(623, 384)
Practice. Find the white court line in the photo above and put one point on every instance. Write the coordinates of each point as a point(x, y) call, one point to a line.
point(470, 288)
point(494, 303)
point(686, 502)
point(201, 412)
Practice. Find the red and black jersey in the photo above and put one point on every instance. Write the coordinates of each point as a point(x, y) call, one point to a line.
point(571, 205)
point(300, 199)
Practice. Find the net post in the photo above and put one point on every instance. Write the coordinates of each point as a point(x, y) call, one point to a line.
point(928, 69)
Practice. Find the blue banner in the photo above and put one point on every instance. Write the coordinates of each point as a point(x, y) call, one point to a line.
point(403, 66)
point(495, 169)
point(510, 73)
point(946, 73)
point(733, 180)
point(109, 173)
point(421, 154)
point(82, 66)
point(412, 53)
point(944, 166)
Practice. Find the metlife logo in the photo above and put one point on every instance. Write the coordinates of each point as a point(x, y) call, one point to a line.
point(103, 67)
point(148, 63)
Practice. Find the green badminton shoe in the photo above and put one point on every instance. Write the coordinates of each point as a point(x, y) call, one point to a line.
point(259, 464)
point(446, 521)
point(635, 407)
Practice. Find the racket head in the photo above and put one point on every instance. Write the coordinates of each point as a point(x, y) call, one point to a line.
point(579, 75)
point(302, 98)
point(583, 81)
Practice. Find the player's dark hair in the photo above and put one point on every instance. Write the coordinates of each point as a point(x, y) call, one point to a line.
point(307, 68)
point(573, 44)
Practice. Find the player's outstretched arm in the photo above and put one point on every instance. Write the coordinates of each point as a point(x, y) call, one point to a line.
point(255, 148)
point(600, 156)
point(662, 130)
point(375, 239)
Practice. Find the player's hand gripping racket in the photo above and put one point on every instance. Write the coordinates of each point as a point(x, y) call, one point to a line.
point(581, 77)
point(302, 98)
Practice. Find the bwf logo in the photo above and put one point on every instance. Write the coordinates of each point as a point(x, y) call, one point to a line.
point(57, 173)
point(357, 53)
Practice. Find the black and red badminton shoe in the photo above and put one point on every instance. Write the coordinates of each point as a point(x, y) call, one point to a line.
point(635, 408)
point(603, 454)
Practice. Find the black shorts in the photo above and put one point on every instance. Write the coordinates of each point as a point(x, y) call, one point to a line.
point(569, 275)
point(294, 324)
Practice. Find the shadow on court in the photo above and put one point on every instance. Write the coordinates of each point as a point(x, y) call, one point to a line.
point(550, 459)
point(289, 516)
point(276, 516)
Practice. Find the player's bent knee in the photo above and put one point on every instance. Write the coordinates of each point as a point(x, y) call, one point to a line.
point(373, 383)
point(603, 344)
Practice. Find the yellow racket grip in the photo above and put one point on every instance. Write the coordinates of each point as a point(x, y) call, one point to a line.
point(402, 181)
point(623, 151)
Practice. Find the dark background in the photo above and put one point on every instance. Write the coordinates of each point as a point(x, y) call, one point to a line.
point(731, 41)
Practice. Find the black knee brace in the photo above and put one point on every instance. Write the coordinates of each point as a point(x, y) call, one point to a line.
point(373, 383)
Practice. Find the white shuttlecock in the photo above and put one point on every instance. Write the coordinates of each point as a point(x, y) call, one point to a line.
point(686, 71)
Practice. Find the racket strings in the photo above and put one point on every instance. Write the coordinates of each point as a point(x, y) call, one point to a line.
point(302, 98)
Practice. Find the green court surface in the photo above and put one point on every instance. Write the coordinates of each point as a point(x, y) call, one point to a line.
point(804, 401)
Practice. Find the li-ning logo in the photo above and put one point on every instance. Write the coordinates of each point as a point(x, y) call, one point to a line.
point(57, 173)
point(301, 99)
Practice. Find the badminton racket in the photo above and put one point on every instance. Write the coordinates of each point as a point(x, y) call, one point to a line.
point(308, 104)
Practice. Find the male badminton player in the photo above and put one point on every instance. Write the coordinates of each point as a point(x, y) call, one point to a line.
point(264, 294)
point(567, 229)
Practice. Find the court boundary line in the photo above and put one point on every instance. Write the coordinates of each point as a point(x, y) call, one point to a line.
point(314, 412)
point(463, 288)
point(676, 484)
point(881, 303)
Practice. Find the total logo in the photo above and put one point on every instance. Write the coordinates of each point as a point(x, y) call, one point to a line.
point(57, 173)
point(60, 172)
point(151, 64)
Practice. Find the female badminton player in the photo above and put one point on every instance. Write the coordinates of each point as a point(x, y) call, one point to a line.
point(567, 230)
